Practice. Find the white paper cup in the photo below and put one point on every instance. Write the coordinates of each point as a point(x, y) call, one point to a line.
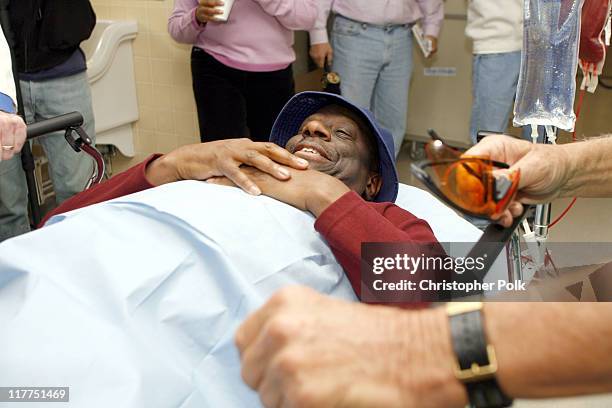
point(226, 8)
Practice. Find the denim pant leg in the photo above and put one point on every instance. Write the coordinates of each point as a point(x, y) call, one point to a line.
point(357, 58)
point(13, 199)
point(70, 170)
point(494, 80)
point(390, 104)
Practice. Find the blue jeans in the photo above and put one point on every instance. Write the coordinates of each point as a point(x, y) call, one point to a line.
point(375, 64)
point(69, 170)
point(494, 80)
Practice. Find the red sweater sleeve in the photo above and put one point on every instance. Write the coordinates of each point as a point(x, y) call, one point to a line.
point(350, 221)
point(128, 182)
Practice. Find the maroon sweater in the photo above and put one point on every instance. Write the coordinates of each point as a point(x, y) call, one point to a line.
point(345, 224)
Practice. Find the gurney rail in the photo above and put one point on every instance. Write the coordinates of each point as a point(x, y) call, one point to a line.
point(72, 124)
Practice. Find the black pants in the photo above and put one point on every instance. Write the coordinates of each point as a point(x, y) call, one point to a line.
point(233, 103)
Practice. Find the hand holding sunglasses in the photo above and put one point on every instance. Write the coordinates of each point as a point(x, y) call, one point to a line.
point(464, 182)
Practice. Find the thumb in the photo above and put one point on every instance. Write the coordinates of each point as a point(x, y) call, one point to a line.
point(535, 185)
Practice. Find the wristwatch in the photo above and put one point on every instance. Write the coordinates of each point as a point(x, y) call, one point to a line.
point(331, 82)
point(476, 364)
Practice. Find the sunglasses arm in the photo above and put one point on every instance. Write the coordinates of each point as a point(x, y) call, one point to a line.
point(489, 246)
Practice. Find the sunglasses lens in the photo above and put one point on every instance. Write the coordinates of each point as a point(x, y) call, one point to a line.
point(468, 183)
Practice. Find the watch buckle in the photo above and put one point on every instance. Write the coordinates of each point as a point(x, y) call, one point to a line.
point(477, 372)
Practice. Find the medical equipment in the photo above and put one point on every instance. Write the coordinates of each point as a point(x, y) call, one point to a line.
point(546, 87)
point(133, 320)
point(595, 34)
point(594, 37)
point(545, 94)
point(558, 85)
point(466, 183)
point(71, 123)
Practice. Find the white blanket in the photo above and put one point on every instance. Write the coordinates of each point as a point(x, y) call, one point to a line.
point(134, 302)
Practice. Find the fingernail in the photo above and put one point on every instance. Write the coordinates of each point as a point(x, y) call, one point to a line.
point(254, 190)
point(283, 172)
point(302, 162)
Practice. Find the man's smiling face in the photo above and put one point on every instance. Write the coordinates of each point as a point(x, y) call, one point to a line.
point(335, 141)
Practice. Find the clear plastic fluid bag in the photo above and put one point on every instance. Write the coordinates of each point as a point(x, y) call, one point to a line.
point(547, 82)
point(594, 37)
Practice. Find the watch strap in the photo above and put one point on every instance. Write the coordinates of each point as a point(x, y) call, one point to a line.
point(476, 361)
point(487, 394)
point(468, 339)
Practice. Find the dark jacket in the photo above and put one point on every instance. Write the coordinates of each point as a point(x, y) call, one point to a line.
point(48, 32)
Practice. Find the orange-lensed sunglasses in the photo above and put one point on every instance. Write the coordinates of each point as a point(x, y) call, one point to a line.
point(466, 183)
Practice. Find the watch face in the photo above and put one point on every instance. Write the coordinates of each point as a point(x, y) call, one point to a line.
point(332, 78)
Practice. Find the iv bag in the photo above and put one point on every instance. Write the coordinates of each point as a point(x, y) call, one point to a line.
point(547, 82)
point(594, 36)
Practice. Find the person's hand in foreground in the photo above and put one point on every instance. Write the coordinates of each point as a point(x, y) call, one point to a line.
point(208, 10)
point(550, 171)
point(321, 52)
point(223, 159)
point(12, 135)
point(307, 190)
point(541, 175)
point(304, 349)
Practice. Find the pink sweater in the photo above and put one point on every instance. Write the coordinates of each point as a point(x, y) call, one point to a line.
point(258, 36)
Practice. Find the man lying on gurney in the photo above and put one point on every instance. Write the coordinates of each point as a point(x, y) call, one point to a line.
point(135, 302)
point(348, 157)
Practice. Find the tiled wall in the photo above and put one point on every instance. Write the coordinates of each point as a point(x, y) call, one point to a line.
point(163, 79)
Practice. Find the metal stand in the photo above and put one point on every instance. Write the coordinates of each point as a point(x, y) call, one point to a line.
point(542, 221)
point(513, 252)
point(27, 159)
point(542, 214)
point(540, 229)
point(28, 165)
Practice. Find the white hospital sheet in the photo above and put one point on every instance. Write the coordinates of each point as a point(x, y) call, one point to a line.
point(134, 302)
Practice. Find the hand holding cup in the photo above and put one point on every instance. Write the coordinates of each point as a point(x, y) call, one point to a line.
point(209, 10)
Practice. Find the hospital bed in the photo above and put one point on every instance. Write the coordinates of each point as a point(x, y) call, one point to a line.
point(134, 302)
